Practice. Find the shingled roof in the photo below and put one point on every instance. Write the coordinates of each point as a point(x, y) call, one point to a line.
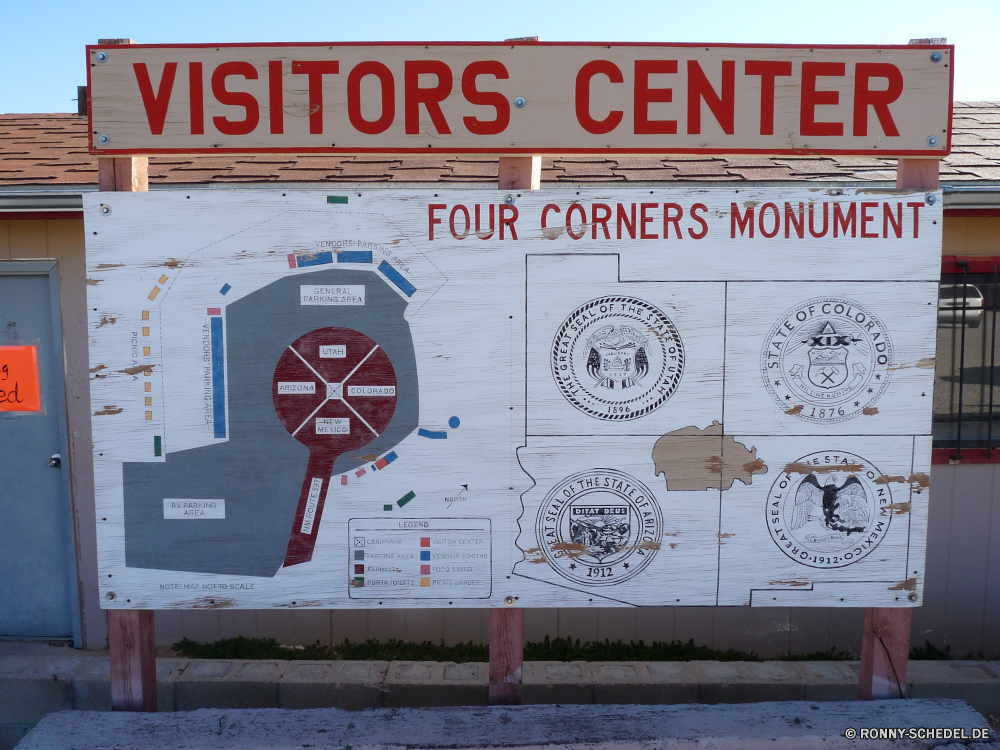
point(51, 149)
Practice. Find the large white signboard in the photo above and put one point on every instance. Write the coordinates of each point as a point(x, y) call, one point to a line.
point(493, 98)
point(460, 399)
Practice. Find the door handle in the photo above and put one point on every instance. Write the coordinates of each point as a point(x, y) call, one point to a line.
point(55, 461)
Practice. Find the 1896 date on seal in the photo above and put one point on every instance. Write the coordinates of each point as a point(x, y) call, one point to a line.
point(617, 358)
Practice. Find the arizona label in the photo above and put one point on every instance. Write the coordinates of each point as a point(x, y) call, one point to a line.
point(617, 358)
point(832, 516)
point(599, 527)
point(828, 355)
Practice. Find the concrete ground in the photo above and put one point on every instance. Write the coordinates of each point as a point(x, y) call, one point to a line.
point(36, 680)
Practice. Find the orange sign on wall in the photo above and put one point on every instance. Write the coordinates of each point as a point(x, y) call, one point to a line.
point(19, 389)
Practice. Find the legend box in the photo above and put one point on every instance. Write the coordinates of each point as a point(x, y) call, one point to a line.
point(421, 558)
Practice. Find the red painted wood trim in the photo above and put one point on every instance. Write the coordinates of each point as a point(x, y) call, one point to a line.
point(971, 212)
point(975, 263)
point(506, 656)
point(39, 215)
point(885, 651)
point(132, 647)
point(969, 455)
point(335, 45)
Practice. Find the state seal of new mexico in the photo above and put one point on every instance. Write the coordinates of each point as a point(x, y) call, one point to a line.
point(617, 358)
point(826, 510)
point(599, 527)
point(827, 360)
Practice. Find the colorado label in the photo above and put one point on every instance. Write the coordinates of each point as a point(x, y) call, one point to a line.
point(827, 360)
point(829, 512)
point(617, 358)
point(599, 527)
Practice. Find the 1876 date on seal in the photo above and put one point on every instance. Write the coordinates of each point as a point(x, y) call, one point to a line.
point(617, 358)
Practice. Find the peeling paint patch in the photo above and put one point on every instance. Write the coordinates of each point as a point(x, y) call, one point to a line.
point(788, 583)
point(897, 509)
point(673, 545)
point(887, 478)
point(726, 536)
point(108, 410)
point(919, 481)
point(797, 409)
point(910, 584)
point(693, 458)
point(98, 368)
point(137, 369)
point(869, 411)
point(94, 282)
point(105, 320)
point(174, 263)
point(927, 363)
point(213, 603)
point(102, 266)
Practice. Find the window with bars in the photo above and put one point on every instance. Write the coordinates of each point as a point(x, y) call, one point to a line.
point(967, 378)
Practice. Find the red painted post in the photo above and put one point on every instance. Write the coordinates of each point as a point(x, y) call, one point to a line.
point(131, 633)
point(507, 624)
point(885, 644)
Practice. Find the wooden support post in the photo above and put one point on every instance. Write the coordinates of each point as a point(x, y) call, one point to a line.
point(885, 644)
point(131, 632)
point(507, 624)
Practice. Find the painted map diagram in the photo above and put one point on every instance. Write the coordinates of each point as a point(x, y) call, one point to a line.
point(566, 398)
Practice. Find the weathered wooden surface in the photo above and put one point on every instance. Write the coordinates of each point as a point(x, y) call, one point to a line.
point(514, 438)
point(751, 725)
point(491, 97)
point(506, 655)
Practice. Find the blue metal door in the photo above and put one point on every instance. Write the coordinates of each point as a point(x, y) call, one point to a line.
point(38, 590)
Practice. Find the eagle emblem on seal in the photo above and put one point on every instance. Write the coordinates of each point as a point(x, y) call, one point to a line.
point(843, 508)
point(617, 357)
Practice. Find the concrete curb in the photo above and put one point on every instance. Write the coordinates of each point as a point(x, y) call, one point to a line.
point(32, 686)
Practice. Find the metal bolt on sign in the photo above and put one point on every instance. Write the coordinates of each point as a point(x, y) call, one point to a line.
point(930, 199)
point(911, 597)
point(105, 209)
point(519, 102)
point(110, 596)
point(102, 57)
point(932, 140)
point(508, 199)
point(509, 601)
point(104, 139)
point(935, 57)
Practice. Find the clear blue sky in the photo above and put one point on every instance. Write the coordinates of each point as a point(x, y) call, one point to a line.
point(43, 42)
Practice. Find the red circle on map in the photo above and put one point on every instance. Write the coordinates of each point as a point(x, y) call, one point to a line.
point(334, 390)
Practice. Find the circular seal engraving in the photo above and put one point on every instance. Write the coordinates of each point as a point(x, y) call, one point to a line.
point(599, 527)
point(617, 358)
point(829, 512)
point(827, 360)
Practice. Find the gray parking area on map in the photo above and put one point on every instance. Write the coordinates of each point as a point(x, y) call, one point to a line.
point(260, 469)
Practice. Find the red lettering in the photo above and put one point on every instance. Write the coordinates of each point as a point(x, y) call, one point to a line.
point(600, 219)
point(826, 218)
point(768, 70)
point(842, 222)
point(545, 214)
point(669, 217)
point(315, 69)
point(811, 98)
point(866, 219)
point(879, 99)
point(792, 221)
point(235, 98)
point(704, 224)
point(432, 220)
point(777, 220)
point(569, 221)
point(508, 223)
point(644, 220)
point(629, 225)
point(388, 86)
point(155, 104)
point(583, 78)
point(431, 98)
point(451, 222)
point(196, 92)
point(744, 221)
point(896, 220)
point(479, 233)
point(643, 95)
point(916, 217)
point(486, 98)
point(723, 107)
point(275, 97)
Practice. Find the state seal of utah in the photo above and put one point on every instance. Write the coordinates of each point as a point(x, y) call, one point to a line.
point(827, 360)
point(599, 527)
point(826, 510)
point(617, 358)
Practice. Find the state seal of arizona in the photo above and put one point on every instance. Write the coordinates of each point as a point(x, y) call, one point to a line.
point(617, 358)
